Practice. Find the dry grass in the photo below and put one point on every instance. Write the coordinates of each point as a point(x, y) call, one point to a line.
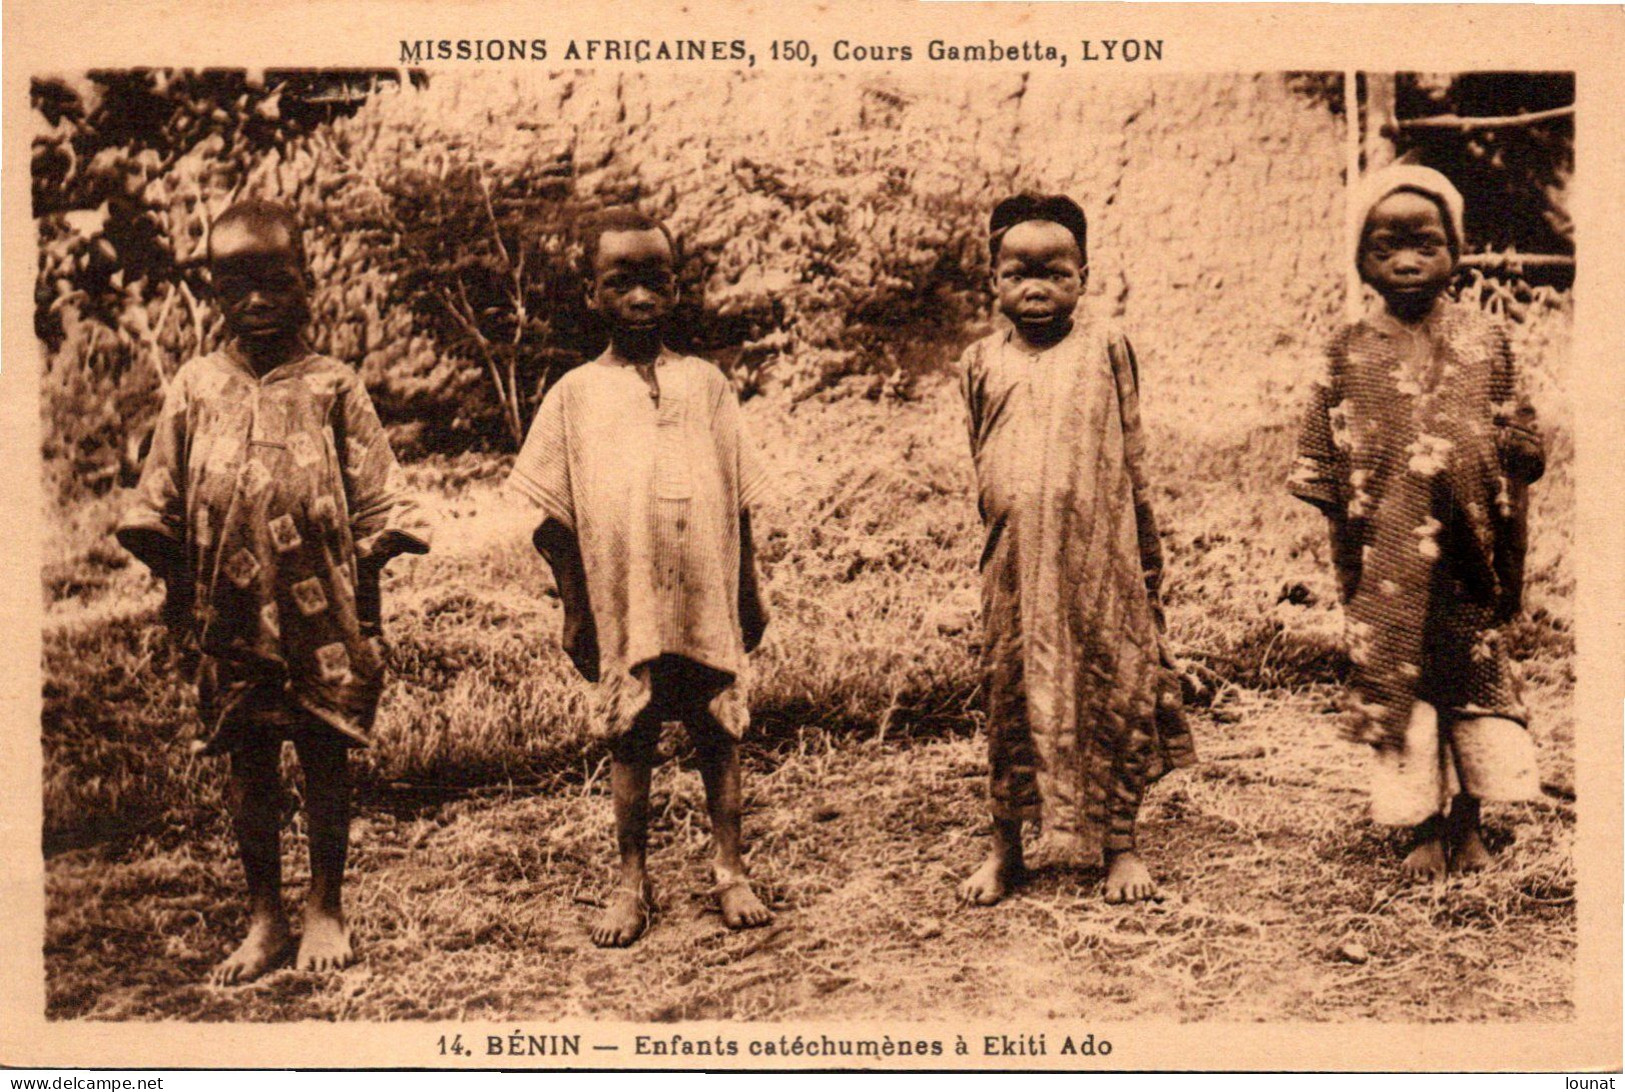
point(478, 909)
point(484, 838)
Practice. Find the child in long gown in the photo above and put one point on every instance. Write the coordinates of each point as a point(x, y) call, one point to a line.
point(269, 504)
point(1083, 702)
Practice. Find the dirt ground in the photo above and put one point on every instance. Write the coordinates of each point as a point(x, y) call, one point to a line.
point(1282, 902)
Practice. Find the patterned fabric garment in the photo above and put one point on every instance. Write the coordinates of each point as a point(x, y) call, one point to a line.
point(1420, 445)
point(644, 489)
point(1083, 707)
point(269, 505)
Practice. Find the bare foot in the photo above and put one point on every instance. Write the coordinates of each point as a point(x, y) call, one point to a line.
point(263, 947)
point(1128, 880)
point(624, 919)
point(1469, 854)
point(325, 945)
point(1467, 850)
point(741, 909)
point(1425, 861)
point(991, 881)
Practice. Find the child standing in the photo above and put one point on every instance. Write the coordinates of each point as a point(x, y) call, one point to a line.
point(1418, 445)
point(1083, 707)
point(269, 504)
point(645, 482)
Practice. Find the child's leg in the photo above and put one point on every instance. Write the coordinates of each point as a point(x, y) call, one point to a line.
point(1127, 877)
point(1409, 787)
point(1465, 836)
point(254, 795)
point(325, 761)
point(995, 876)
point(1495, 759)
point(724, 801)
point(631, 764)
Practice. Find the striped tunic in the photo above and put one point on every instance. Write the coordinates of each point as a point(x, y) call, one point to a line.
point(643, 499)
point(1083, 708)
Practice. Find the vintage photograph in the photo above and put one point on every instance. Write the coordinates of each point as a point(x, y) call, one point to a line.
point(569, 543)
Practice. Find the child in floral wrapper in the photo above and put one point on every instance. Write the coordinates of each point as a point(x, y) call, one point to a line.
point(1419, 445)
point(269, 503)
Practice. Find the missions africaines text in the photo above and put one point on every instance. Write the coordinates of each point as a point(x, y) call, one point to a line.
point(639, 50)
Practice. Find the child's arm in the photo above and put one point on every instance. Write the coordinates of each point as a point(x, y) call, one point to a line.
point(753, 489)
point(970, 394)
point(1125, 368)
point(541, 470)
point(560, 547)
point(1518, 440)
point(385, 519)
point(1522, 454)
point(153, 526)
point(1318, 478)
point(971, 376)
point(541, 478)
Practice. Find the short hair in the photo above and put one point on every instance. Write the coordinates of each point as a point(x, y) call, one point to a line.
point(1053, 208)
point(256, 212)
point(617, 218)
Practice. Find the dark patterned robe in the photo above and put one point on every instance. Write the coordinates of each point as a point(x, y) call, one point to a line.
point(269, 504)
point(1082, 702)
point(1420, 445)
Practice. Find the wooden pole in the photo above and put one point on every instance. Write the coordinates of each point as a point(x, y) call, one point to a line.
point(1512, 259)
point(1354, 291)
point(1379, 120)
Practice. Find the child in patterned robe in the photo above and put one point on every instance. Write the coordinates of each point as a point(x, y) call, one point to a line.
point(1419, 445)
point(269, 504)
point(638, 463)
point(1083, 700)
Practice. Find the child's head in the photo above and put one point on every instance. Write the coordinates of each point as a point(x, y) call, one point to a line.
point(257, 264)
point(1039, 247)
point(631, 263)
point(1410, 237)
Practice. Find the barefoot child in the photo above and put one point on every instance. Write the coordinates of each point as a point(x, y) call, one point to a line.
point(645, 483)
point(1419, 447)
point(1082, 703)
point(269, 503)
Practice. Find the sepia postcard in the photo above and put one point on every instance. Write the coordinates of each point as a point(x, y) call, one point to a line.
point(893, 535)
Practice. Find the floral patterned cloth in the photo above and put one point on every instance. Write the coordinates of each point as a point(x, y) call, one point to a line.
point(1083, 706)
point(269, 504)
point(1419, 443)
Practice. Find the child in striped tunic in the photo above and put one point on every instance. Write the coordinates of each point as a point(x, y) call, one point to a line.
point(645, 483)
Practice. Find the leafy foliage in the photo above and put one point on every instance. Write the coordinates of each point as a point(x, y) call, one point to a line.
point(1514, 178)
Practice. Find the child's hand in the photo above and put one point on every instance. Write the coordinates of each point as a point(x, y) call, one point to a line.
point(176, 615)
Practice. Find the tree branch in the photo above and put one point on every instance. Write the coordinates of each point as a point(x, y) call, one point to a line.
point(1452, 121)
